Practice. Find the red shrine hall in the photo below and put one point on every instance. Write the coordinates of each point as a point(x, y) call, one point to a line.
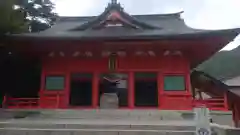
point(151, 55)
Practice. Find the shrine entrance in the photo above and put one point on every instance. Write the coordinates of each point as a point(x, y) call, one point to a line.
point(81, 89)
point(114, 83)
point(146, 89)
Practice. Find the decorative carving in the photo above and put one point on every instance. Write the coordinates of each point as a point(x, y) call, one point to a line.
point(106, 53)
point(172, 52)
point(62, 54)
point(151, 53)
point(76, 54)
point(139, 53)
point(166, 53)
point(88, 54)
point(121, 53)
point(177, 53)
point(51, 54)
point(114, 16)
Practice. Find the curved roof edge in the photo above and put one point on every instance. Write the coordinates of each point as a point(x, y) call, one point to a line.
point(113, 13)
point(227, 32)
point(87, 18)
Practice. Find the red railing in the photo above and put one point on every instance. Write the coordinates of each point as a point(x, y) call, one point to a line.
point(49, 101)
point(53, 101)
point(10, 102)
point(212, 103)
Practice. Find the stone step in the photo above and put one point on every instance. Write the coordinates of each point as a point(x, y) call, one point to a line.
point(27, 131)
point(99, 126)
point(224, 118)
point(110, 114)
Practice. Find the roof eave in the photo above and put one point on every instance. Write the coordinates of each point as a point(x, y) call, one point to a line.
point(228, 32)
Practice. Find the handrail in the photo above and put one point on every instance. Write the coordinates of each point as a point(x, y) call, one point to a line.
point(213, 99)
point(4, 101)
point(11, 102)
point(11, 98)
point(52, 99)
point(213, 103)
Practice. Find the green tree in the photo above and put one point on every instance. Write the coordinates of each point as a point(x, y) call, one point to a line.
point(12, 20)
point(26, 15)
point(38, 13)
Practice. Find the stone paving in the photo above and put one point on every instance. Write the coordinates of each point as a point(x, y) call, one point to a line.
point(98, 121)
point(30, 126)
point(106, 122)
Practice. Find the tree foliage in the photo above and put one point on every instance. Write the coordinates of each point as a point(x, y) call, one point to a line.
point(26, 15)
point(38, 13)
point(11, 20)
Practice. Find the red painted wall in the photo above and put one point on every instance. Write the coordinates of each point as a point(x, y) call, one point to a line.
point(176, 99)
point(139, 64)
point(61, 66)
point(162, 65)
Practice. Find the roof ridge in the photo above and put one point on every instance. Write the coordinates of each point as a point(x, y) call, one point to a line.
point(114, 14)
point(75, 18)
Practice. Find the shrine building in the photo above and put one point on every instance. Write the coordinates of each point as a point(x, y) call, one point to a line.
point(152, 54)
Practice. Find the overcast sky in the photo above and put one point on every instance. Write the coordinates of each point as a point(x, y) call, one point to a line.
point(204, 14)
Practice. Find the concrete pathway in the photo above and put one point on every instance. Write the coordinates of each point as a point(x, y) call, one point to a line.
point(98, 122)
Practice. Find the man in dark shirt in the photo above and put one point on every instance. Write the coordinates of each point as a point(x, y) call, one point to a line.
point(110, 85)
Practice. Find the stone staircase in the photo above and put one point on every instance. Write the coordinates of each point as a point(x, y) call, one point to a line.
point(113, 114)
point(97, 122)
point(95, 127)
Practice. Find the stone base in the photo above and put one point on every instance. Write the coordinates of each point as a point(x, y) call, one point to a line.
point(92, 132)
point(109, 101)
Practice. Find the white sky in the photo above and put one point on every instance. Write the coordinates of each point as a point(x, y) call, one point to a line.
point(203, 14)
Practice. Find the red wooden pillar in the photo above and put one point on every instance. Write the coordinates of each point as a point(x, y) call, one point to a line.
point(67, 90)
point(160, 88)
point(58, 100)
point(235, 115)
point(225, 101)
point(4, 102)
point(131, 90)
point(95, 90)
point(188, 83)
point(42, 87)
point(188, 88)
point(43, 75)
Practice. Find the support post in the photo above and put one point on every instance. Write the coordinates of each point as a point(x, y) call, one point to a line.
point(235, 115)
point(193, 91)
point(190, 92)
point(67, 89)
point(188, 83)
point(131, 90)
point(41, 102)
point(200, 95)
point(95, 92)
point(4, 102)
point(160, 88)
point(225, 101)
point(58, 100)
point(42, 83)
